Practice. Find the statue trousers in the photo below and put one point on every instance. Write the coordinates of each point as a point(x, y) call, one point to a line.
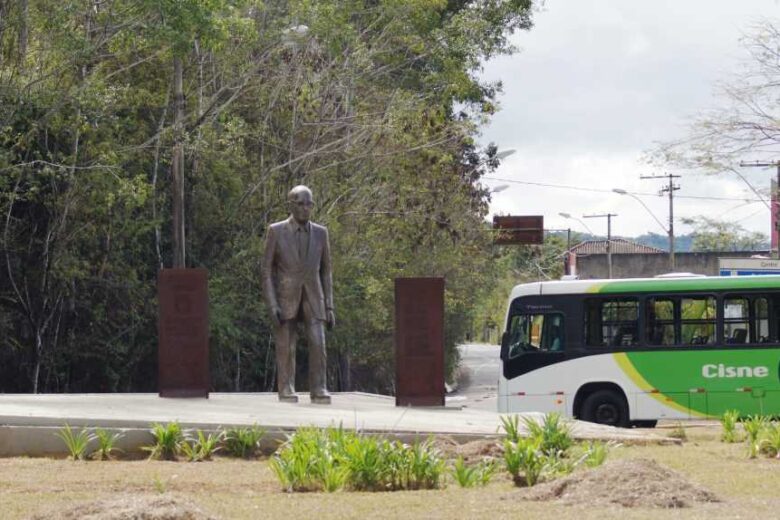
point(286, 336)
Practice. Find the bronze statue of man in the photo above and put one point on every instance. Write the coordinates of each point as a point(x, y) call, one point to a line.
point(298, 287)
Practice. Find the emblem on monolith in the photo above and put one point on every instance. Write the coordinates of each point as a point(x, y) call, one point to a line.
point(298, 287)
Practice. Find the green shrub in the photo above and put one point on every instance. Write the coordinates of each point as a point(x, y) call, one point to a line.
point(366, 463)
point(754, 425)
point(678, 432)
point(729, 421)
point(525, 460)
point(77, 443)
point(553, 434)
point(202, 447)
point(511, 426)
point(293, 467)
point(770, 441)
point(426, 465)
point(106, 444)
point(243, 442)
point(168, 440)
point(596, 453)
point(474, 475)
point(465, 476)
point(329, 460)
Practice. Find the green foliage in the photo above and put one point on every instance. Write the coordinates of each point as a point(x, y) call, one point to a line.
point(678, 432)
point(329, 460)
point(596, 453)
point(106, 444)
point(243, 442)
point(478, 474)
point(511, 426)
point(202, 447)
point(159, 484)
point(729, 421)
point(525, 460)
point(76, 442)
point(553, 434)
point(376, 106)
point(168, 441)
point(770, 440)
point(754, 425)
point(718, 235)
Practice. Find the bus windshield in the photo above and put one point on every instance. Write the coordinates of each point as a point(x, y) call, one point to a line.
point(535, 332)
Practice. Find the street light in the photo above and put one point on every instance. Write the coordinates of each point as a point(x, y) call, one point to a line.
point(503, 154)
point(570, 216)
point(500, 187)
point(608, 216)
point(669, 231)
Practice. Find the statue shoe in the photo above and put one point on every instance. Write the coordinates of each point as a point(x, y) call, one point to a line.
point(321, 398)
point(288, 398)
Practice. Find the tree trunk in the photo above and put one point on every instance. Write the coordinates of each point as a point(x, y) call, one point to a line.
point(237, 382)
point(24, 31)
point(177, 165)
point(38, 356)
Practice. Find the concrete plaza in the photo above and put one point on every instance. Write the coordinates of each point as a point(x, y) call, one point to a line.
point(28, 423)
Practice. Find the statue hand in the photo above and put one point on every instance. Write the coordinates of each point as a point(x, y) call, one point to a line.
point(330, 319)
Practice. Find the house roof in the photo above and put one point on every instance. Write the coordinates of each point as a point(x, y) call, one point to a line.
point(619, 246)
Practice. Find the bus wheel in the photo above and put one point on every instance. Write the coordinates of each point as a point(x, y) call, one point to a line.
point(606, 407)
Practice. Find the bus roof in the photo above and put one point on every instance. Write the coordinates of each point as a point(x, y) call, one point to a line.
point(640, 285)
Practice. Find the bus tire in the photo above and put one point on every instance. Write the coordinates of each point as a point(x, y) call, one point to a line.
point(606, 407)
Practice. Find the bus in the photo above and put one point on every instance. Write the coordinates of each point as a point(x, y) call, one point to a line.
point(633, 351)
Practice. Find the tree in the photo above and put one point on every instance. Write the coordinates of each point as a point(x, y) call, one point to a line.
point(375, 105)
point(746, 125)
point(716, 235)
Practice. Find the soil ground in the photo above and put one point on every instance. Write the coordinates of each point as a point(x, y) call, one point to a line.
point(228, 488)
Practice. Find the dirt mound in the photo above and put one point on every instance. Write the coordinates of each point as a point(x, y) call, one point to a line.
point(630, 483)
point(131, 508)
point(472, 451)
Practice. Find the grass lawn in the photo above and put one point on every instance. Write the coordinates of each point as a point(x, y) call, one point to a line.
point(230, 488)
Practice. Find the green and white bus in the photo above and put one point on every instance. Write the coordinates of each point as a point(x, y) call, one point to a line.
point(632, 351)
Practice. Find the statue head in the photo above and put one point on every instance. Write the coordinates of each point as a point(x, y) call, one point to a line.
point(301, 202)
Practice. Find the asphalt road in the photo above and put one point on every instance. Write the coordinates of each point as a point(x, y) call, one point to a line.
point(478, 382)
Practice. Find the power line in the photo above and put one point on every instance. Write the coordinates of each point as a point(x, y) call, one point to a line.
point(597, 190)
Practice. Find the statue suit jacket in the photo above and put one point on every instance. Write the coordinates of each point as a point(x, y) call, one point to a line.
point(287, 277)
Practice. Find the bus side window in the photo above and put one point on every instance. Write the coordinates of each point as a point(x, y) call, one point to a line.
point(746, 319)
point(613, 322)
point(736, 320)
point(762, 331)
point(697, 320)
point(552, 339)
point(660, 321)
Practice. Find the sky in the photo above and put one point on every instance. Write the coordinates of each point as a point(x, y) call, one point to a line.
point(596, 84)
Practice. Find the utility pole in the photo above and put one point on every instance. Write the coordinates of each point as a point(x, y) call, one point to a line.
point(775, 201)
point(670, 188)
point(608, 216)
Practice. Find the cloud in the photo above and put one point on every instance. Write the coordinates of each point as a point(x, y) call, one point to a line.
point(599, 82)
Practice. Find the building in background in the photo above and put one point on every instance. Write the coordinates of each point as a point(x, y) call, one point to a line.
point(630, 260)
point(620, 246)
point(748, 266)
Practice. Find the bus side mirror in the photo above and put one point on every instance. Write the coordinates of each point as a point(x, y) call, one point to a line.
point(504, 346)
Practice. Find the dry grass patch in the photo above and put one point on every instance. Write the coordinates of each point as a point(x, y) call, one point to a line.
point(472, 451)
point(627, 482)
point(135, 507)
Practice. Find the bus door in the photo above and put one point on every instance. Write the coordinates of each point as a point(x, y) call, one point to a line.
point(533, 340)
